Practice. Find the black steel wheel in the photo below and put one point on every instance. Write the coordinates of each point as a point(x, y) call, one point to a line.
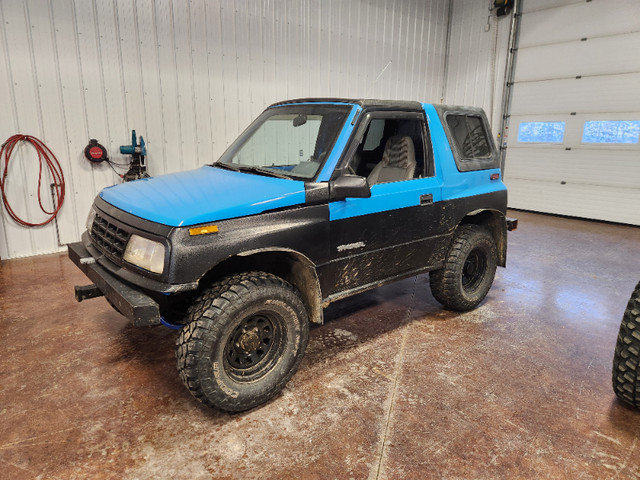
point(474, 270)
point(253, 347)
point(626, 359)
point(244, 340)
point(470, 266)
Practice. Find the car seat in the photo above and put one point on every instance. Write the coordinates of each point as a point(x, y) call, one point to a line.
point(398, 162)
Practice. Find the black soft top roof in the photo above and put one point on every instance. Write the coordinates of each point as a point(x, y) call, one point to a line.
point(373, 102)
point(363, 102)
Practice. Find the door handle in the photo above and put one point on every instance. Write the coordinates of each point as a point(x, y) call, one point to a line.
point(426, 199)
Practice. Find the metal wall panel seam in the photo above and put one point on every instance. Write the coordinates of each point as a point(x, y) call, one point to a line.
point(250, 48)
point(413, 55)
point(443, 41)
point(405, 71)
point(194, 103)
point(387, 93)
point(435, 63)
point(140, 70)
point(19, 152)
point(447, 51)
point(4, 247)
point(393, 55)
point(222, 74)
point(156, 43)
point(112, 79)
point(150, 80)
point(81, 79)
point(179, 140)
point(358, 53)
point(329, 30)
point(70, 90)
point(417, 54)
point(208, 48)
point(103, 96)
point(240, 95)
point(183, 54)
point(476, 20)
point(347, 63)
point(398, 53)
point(96, 121)
point(203, 96)
point(231, 117)
point(42, 133)
point(123, 85)
point(71, 214)
point(494, 59)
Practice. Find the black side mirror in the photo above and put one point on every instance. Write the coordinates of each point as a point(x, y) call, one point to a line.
point(346, 186)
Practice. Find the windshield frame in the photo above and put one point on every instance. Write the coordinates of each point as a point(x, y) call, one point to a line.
point(307, 108)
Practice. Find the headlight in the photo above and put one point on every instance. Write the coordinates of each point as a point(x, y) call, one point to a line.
point(90, 218)
point(145, 253)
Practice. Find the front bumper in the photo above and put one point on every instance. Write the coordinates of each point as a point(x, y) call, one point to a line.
point(138, 307)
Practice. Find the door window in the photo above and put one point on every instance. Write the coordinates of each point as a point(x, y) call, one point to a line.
point(392, 149)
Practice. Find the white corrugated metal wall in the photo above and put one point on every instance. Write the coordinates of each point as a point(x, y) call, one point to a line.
point(477, 54)
point(189, 76)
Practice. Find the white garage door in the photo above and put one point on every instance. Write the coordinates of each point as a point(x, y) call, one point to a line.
point(575, 117)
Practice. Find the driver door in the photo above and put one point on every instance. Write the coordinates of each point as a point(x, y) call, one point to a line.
point(396, 231)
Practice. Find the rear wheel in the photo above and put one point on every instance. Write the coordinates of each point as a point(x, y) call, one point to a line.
point(626, 359)
point(244, 340)
point(466, 277)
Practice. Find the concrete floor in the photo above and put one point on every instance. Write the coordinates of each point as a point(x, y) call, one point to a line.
point(392, 386)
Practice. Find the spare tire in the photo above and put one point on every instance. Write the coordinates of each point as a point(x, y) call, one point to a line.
point(626, 359)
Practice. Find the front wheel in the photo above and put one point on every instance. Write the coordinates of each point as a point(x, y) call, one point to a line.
point(466, 277)
point(244, 340)
point(626, 359)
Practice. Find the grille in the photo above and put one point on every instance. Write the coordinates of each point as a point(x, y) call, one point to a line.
point(109, 237)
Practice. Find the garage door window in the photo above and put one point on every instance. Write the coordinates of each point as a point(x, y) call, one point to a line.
point(611, 131)
point(541, 132)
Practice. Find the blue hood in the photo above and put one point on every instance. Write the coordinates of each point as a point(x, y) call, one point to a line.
point(208, 194)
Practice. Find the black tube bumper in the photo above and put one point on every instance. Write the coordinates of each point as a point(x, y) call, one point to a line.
point(138, 307)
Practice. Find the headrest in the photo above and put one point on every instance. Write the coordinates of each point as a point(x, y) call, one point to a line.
point(398, 152)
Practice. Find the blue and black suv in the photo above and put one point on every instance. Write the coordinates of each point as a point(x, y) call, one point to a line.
point(317, 200)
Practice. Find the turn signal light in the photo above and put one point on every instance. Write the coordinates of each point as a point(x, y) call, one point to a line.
point(203, 230)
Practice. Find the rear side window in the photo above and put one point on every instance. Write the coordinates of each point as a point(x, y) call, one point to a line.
point(470, 136)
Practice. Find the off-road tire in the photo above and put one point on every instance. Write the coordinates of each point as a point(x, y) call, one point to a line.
point(468, 272)
point(626, 360)
point(245, 338)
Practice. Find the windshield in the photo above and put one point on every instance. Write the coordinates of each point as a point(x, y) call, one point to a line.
point(292, 141)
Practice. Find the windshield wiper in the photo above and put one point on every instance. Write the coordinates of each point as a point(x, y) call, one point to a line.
point(225, 166)
point(262, 171)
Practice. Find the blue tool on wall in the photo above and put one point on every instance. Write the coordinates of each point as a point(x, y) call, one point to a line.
point(137, 168)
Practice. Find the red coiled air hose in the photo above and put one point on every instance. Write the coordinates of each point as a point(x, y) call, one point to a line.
point(44, 156)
